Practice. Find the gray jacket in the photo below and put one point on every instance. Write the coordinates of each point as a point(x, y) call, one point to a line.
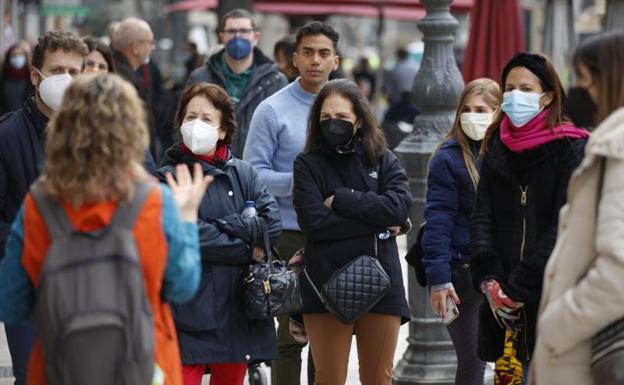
point(263, 82)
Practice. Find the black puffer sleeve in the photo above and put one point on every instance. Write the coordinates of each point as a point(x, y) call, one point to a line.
point(320, 223)
point(390, 207)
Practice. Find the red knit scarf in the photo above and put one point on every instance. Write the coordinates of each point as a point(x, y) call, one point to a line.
point(219, 155)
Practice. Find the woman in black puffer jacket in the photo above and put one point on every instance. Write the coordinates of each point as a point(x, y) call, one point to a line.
point(348, 190)
point(530, 153)
point(213, 332)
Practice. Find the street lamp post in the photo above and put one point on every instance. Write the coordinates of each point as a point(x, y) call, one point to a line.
point(430, 357)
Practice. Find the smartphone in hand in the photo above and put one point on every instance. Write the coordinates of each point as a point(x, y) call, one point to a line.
point(452, 312)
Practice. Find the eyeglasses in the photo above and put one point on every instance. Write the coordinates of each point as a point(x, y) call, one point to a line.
point(235, 31)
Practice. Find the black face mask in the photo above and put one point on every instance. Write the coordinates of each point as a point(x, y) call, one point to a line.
point(337, 132)
point(580, 107)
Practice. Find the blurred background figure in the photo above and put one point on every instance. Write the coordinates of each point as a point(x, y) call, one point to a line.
point(100, 57)
point(365, 77)
point(195, 59)
point(283, 55)
point(398, 81)
point(110, 31)
point(100, 61)
point(133, 42)
point(15, 85)
point(399, 118)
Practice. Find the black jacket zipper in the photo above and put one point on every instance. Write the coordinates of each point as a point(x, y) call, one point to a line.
point(523, 203)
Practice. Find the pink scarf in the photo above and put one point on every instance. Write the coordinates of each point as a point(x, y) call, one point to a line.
point(535, 133)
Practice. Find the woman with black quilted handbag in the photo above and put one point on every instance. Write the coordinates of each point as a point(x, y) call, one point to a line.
point(214, 333)
point(580, 327)
point(351, 197)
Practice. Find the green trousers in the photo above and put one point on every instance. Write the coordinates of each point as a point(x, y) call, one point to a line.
point(286, 369)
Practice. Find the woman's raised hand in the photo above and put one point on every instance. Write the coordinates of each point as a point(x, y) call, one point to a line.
point(188, 190)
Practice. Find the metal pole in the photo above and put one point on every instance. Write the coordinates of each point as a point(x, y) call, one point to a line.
point(15, 21)
point(380, 51)
point(430, 357)
point(2, 28)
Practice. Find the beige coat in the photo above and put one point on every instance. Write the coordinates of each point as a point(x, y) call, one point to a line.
point(584, 279)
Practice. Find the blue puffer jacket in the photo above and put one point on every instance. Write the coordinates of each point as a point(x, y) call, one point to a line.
point(450, 198)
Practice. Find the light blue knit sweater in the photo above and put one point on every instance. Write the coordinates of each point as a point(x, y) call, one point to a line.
point(277, 134)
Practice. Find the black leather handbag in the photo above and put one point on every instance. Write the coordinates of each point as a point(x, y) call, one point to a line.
point(270, 288)
point(461, 277)
point(355, 288)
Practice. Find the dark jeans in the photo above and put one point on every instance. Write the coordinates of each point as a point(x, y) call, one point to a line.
point(286, 369)
point(20, 338)
point(464, 334)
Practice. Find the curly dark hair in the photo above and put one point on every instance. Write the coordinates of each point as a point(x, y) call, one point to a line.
point(218, 97)
point(52, 41)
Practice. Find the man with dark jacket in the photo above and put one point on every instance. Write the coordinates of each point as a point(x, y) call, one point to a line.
point(133, 44)
point(242, 70)
point(57, 57)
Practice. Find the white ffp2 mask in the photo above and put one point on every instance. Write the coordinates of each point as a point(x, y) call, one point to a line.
point(52, 88)
point(199, 136)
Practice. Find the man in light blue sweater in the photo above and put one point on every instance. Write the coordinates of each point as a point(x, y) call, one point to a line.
point(277, 134)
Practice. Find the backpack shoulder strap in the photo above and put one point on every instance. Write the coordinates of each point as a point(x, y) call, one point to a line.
point(53, 214)
point(127, 212)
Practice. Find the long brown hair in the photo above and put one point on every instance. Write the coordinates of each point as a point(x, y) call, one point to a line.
point(372, 137)
point(489, 90)
point(541, 67)
point(96, 142)
point(603, 55)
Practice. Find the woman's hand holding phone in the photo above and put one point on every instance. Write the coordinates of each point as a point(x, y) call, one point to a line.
point(445, 301)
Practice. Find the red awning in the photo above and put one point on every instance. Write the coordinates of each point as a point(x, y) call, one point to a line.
point(496, 34)
point(192, 5)
point(392, 9)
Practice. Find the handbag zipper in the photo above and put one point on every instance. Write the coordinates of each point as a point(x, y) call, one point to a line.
point(523, 203)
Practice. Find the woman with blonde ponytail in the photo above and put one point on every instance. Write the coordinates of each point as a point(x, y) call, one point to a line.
point(451, 187)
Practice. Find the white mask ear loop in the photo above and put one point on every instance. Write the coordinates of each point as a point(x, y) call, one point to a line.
point(540, 98)
point(40, 73)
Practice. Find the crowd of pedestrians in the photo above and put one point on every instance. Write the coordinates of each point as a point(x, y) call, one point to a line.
point(520, 247)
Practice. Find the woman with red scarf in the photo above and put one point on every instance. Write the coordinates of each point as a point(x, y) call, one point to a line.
point(214, 334)
point(529, 153)
point(15, 85)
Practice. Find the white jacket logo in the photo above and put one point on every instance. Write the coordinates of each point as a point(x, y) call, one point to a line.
point(373, 174)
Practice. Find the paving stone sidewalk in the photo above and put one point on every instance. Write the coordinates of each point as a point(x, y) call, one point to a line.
point(6, 376)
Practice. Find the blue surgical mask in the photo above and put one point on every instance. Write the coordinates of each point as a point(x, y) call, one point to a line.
point(521, 106)
point(238, 48)
point(18, 61)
